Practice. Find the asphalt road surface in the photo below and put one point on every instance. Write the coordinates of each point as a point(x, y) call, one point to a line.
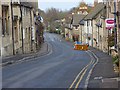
point(63, 67)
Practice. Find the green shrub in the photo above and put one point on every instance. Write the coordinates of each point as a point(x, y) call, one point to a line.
point(116, 60)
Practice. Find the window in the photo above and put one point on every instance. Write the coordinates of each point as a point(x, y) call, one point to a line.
point(16, 33)
point(76, 27)
point(5, 20)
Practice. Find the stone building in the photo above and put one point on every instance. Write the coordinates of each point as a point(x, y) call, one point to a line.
point(18, 27)
point(111, 13)
point(28, 26)
point(7, 44)
point(68, 31)
point(76, 27)
point(95, 27)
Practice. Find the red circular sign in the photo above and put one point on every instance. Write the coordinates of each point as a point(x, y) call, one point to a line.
point(110, 21)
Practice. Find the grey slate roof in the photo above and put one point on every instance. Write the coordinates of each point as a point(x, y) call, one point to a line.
point(27, 3)
point(95, 11)
point(81, 22)
point(77, 18)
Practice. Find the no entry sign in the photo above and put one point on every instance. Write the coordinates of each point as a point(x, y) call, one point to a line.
point(110, 23)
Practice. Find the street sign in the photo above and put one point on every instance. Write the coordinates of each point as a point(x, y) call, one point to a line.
point(110, 23)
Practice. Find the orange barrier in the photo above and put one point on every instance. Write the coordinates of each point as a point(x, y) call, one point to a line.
point(80, 47)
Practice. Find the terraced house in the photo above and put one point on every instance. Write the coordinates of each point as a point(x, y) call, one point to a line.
point(6, 36)
point(94, 27)
point(18, 27)
point(75, 28)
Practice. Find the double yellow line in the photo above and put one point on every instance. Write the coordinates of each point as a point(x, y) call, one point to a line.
point(80, 76)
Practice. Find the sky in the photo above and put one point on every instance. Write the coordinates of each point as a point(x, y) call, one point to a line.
point(61, 4)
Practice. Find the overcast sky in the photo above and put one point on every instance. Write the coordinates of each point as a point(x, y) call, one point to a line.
point(60, 4)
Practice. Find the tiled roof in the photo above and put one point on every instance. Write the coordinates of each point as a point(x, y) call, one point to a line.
point(29, 4)
point(95, 11)
point(82, 22)
point(77, 18)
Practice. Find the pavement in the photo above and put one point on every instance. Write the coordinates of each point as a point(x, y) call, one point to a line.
point(22, 57)
point(103, 75)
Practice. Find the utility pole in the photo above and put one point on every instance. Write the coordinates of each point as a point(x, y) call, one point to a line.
point(12, 28)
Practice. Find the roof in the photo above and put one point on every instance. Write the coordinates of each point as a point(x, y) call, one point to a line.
point(68, 26)
point(68, 19)
point(95, 11)
point(77, 18)
point(81, 22)
point(28, 3)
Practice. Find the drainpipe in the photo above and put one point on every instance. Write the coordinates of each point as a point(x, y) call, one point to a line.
point(87, 32)
point(108, 17)
point(92, 32)
point(81, 32)
point(31, 27)
point(115, 28)
point(12, 29)
point(22, 28)
point(98, 38)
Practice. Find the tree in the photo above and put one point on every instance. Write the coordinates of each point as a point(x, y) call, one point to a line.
point(51, 16)
point(82, 4)
point(111, 40)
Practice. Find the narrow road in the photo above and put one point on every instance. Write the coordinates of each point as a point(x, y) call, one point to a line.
point(63, 67)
